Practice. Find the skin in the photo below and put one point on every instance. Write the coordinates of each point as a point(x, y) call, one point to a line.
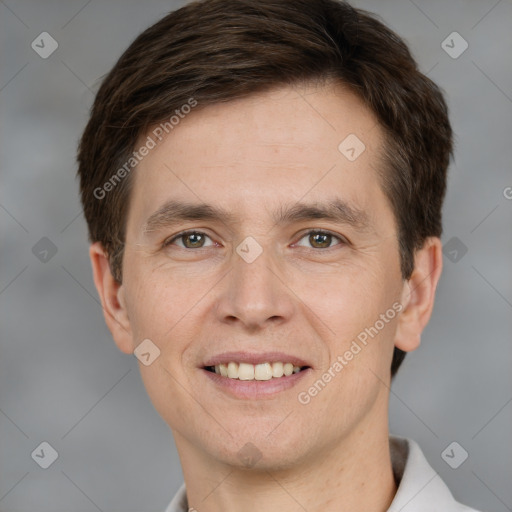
point(252, 156)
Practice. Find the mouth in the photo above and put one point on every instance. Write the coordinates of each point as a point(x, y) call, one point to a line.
point(255, 376)
point(260, 372)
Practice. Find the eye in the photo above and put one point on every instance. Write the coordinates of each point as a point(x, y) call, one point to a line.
point(190, 240)
point(320, 239)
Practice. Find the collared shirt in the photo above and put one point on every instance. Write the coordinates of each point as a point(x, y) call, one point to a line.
point(420, 489)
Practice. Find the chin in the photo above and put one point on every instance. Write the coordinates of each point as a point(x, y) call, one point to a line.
point(259, 451)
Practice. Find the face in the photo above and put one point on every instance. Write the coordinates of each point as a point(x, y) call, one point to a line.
point(296, 258)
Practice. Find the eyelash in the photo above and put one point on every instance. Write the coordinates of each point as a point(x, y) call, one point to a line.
point(316, 231)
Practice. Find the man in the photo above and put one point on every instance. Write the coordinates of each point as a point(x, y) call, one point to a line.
point(263, 183)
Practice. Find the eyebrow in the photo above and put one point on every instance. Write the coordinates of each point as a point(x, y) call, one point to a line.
point(336, 210)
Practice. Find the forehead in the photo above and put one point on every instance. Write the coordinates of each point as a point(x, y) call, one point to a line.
point(267, 149)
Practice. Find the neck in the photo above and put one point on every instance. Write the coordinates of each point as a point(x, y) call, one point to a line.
point(353, 474)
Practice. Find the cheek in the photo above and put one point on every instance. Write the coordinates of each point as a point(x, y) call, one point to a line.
point(350, 296)
point(355, 304)
point(359, 344)
point(159, 303)
point(161, 308)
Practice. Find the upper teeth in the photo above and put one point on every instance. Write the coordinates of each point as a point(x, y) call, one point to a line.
point(263, 371)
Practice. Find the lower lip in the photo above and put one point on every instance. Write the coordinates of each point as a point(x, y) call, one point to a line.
point(255, 389)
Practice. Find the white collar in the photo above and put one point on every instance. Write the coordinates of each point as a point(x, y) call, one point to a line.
point(421, 489)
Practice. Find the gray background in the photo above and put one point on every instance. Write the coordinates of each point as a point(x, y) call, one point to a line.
point(62, 379)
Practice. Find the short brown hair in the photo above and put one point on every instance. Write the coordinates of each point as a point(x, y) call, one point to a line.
point(217, 50)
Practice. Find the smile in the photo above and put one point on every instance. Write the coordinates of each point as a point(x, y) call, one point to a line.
point(248, 371)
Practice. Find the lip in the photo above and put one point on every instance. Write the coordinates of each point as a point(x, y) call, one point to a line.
point(255, 358)
point(255, 389)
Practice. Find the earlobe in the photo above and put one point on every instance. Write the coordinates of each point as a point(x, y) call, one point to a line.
point(418, 295)
point(111, 294)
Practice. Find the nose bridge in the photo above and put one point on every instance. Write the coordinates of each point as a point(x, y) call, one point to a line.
point(254, 293)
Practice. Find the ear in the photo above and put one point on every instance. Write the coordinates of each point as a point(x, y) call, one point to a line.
point(418, 295)
point(111, 294)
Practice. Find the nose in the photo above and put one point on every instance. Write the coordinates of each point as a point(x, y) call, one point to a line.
point(255, 294)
